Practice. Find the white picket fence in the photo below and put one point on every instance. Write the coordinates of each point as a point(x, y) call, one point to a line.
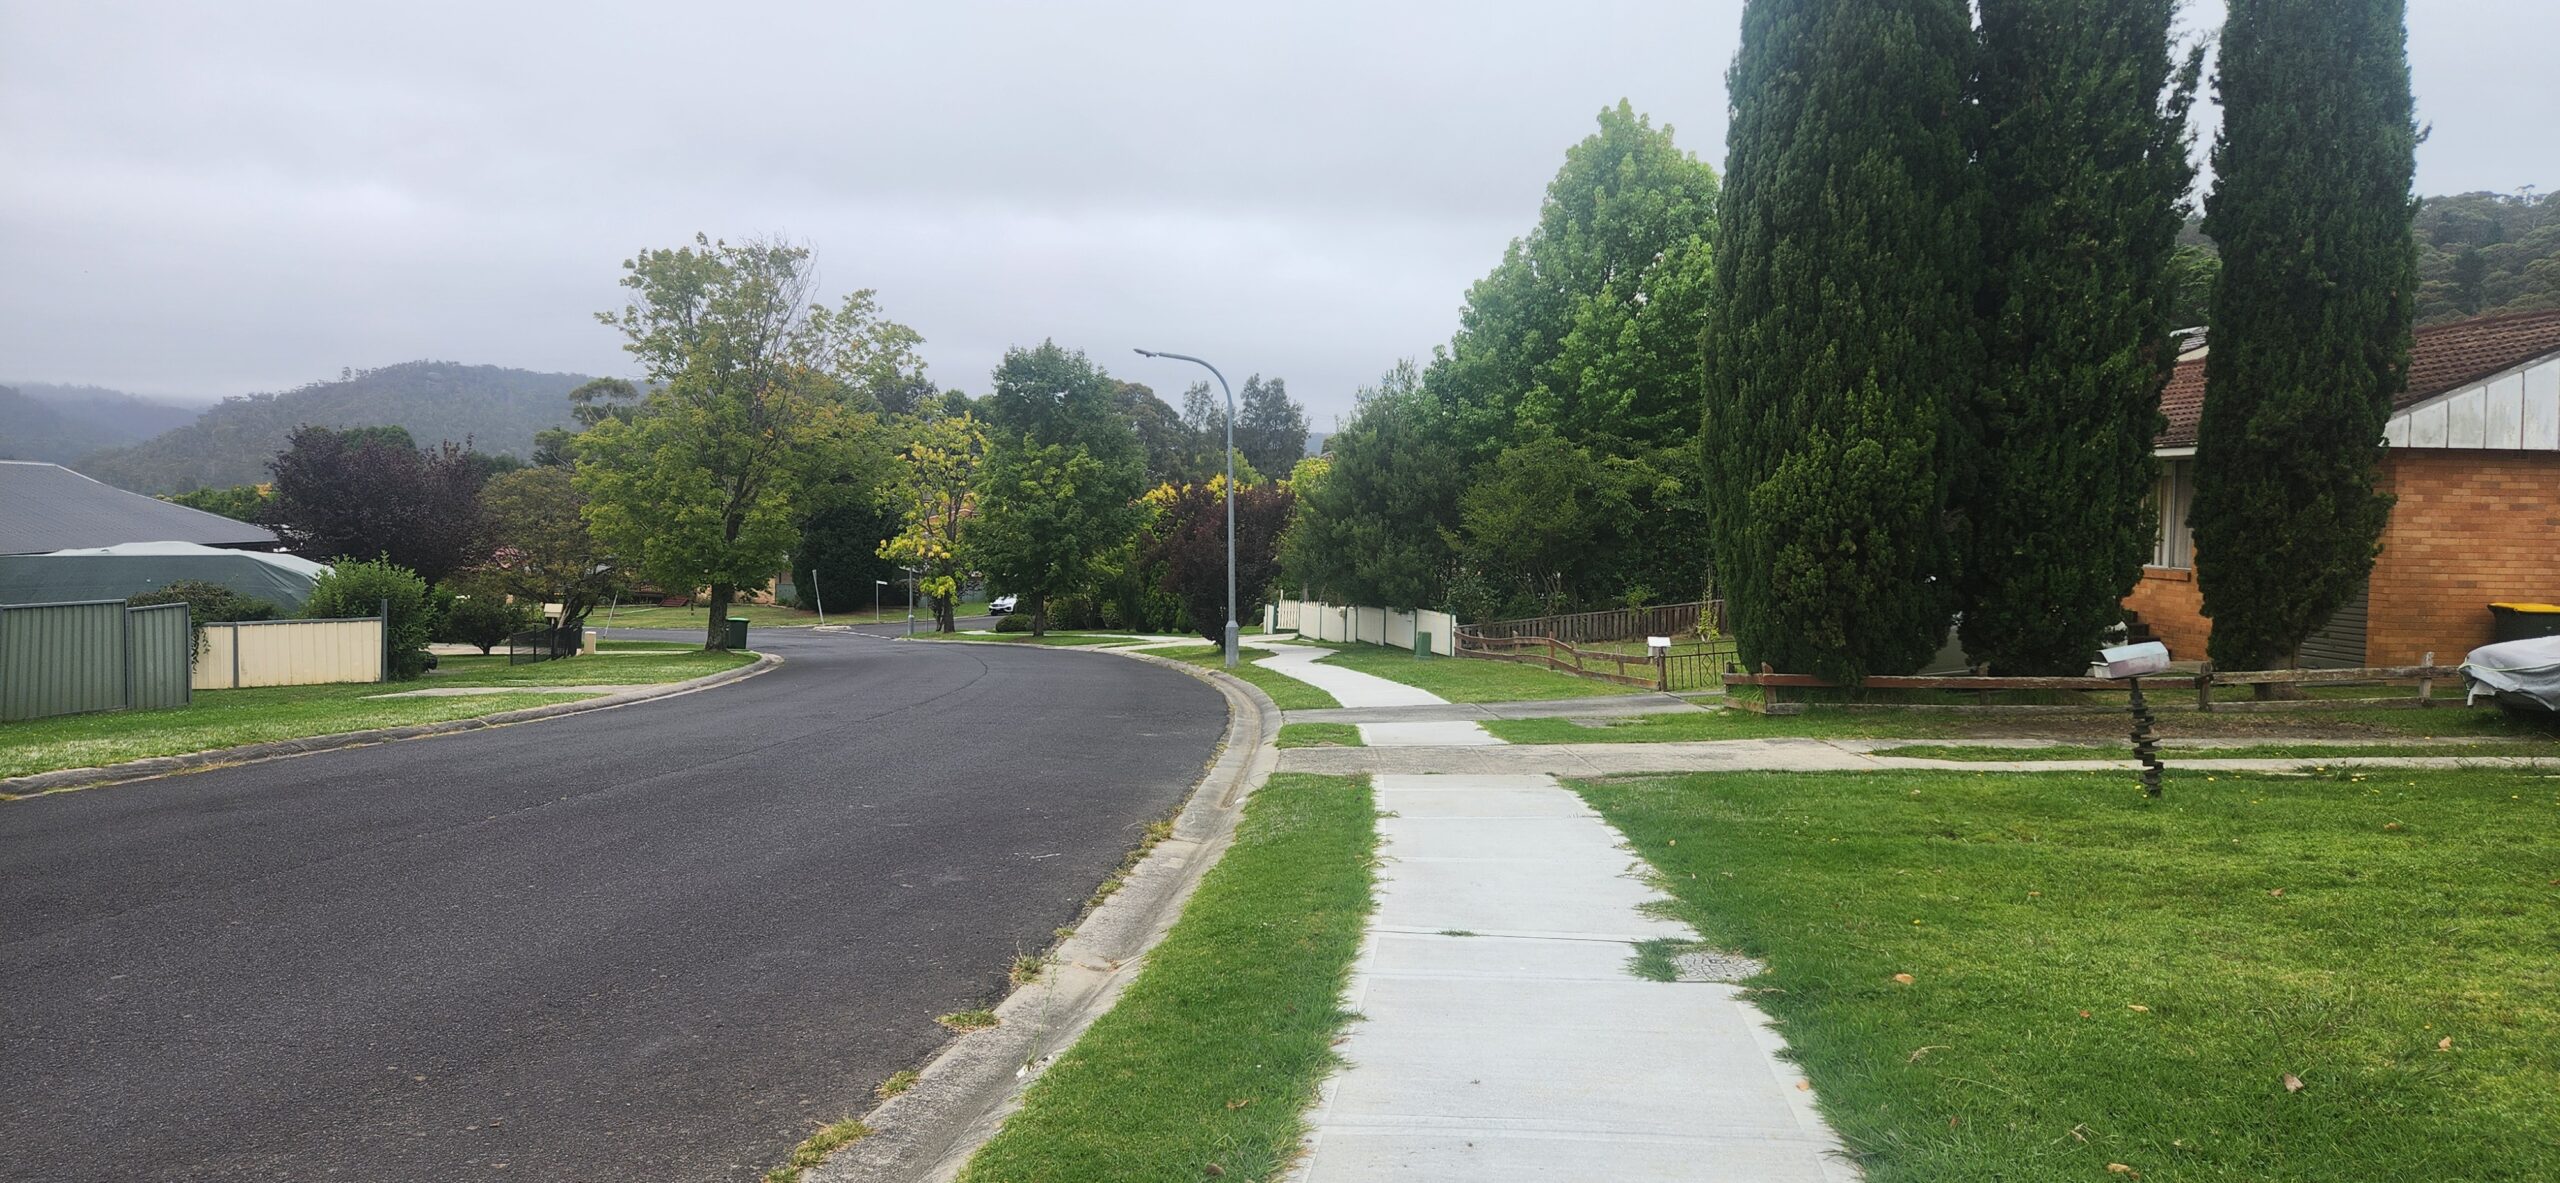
point(1317, 620)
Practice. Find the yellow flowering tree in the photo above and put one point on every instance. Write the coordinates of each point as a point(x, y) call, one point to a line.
point(936, 495)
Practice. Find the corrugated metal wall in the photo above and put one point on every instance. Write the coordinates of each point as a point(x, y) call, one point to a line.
point(290, 653)
point(157, 655)
point(67, 659)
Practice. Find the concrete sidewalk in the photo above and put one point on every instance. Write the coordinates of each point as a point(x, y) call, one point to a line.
point(1502, 1035)
point(1369, 692)
point(1607, 706)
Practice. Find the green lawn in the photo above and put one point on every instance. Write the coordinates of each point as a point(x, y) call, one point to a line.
point(2265, 751)
point(1468, 679)
point(1288, 693)
point(1207, 1065)
point(228, 718)
point(2098, 978)
point(1320, 735)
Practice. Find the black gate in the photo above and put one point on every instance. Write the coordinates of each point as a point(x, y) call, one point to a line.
point(543, 644)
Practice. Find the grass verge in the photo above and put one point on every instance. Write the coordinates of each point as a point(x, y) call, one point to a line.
point(2098, 978)
point(229, 718)
point(1206, 1066)
point(1288, 693)
point(2265, 751)
point(2094, 729)
point(1693, 726)
point(1320, 735)
point(1463, 679)
point(816, 1148)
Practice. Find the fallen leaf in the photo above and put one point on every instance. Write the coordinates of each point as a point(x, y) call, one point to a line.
point(2391, 825)
point(1240, 1103)
point(1953, 1121)
point(2035, 895)
point(2080, 1131)
point(2292, 1083)
point(2278, 891)
point(1918, 1052)
point(2445, 1044)
point(1905, 979)
point(2084, 1014)
point(1804, 1086)
point(2137, 1006)
point(2117, 1168)
point(1216, 1171)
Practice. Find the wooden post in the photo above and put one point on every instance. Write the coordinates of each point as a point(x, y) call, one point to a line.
point(1662, 673)
point(2427, 686)
point(1768, 693)
point(2204, 688)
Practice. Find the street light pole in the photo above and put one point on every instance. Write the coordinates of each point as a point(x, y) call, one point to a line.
point(877, 586)
point(1231, 490)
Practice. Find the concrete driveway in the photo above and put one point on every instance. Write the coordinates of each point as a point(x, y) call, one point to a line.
point(657, 942)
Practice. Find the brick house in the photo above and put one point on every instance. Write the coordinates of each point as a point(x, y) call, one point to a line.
point(2474, 457)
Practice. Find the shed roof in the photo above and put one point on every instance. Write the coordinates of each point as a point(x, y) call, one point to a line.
point(2441, 358)
point(46, 507)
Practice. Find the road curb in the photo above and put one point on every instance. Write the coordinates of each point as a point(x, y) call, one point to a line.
point(37, 783)
point(960, 1098)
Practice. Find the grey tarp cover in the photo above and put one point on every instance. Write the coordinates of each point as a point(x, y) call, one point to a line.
point(281, 580)
point(2513, 670)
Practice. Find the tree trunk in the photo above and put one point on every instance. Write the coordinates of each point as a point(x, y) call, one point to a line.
point(1040, 614)
point(717, 637)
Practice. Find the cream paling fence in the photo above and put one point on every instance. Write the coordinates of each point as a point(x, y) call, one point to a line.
point(1321, 621)
point(290, 653)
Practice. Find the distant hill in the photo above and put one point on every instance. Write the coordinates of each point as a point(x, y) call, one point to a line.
point(496, 408)
point(42, 421)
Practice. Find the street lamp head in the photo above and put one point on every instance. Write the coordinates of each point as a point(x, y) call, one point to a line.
point(1144, 352)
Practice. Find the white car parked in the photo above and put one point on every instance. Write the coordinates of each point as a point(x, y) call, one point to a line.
point(1002, 605)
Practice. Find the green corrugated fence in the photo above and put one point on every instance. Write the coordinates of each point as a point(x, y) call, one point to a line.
point(66, 659)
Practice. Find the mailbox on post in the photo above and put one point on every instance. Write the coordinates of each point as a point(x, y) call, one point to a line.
point(2131, 662)
point(1657, 646)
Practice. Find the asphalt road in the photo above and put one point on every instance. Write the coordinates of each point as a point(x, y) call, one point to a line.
point(657, 942)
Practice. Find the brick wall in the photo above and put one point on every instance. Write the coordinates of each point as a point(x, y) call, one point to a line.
point(2171, 606)
point(2471, 528)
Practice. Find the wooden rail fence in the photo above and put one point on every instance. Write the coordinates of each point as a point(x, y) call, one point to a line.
point(1773, 684)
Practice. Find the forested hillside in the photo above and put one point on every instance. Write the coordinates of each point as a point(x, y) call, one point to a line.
point(496, 408)
point(41, 421)
point(2479, 254)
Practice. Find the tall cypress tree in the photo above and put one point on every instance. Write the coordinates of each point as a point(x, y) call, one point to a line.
point(2084, 161)
point(2311, 318)
point(1841, 331)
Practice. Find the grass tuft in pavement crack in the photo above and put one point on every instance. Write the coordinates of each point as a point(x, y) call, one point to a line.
point(898, 1082)
point(816, 1149)
point(969, 1020)
point(1214, 1054)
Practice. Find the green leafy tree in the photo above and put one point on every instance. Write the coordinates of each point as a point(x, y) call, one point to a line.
point(240, 503)
point(484, 620)
point(1589, 327)
point(1376, 527)
point(935, 491)
point(1841, 336)
point(1541, 522)
point(755, 398)
point(1062, 477)
point(367, 587)
point(1271, 428)
point(541, 547)
point(2084, 155)
point(2311, 324)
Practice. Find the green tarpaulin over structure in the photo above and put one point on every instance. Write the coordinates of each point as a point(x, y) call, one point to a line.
point(122, 572)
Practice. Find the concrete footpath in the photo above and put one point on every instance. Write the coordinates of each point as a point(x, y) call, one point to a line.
point(1502, 1034)
point(1411, 715)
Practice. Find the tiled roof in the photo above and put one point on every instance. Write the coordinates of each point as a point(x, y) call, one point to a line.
point(46, 507)
point(2441, 358)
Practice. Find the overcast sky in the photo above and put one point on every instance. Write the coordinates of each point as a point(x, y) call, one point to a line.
point(202, 199)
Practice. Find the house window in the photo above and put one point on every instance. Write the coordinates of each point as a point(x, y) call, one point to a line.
point(2176, 544)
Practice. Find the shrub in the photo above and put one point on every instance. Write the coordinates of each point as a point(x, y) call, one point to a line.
point(484, 620)
point(1017, 622)
point(207, 603)
point(363, 587)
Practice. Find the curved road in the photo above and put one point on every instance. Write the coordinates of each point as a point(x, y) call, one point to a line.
point(657, 942)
